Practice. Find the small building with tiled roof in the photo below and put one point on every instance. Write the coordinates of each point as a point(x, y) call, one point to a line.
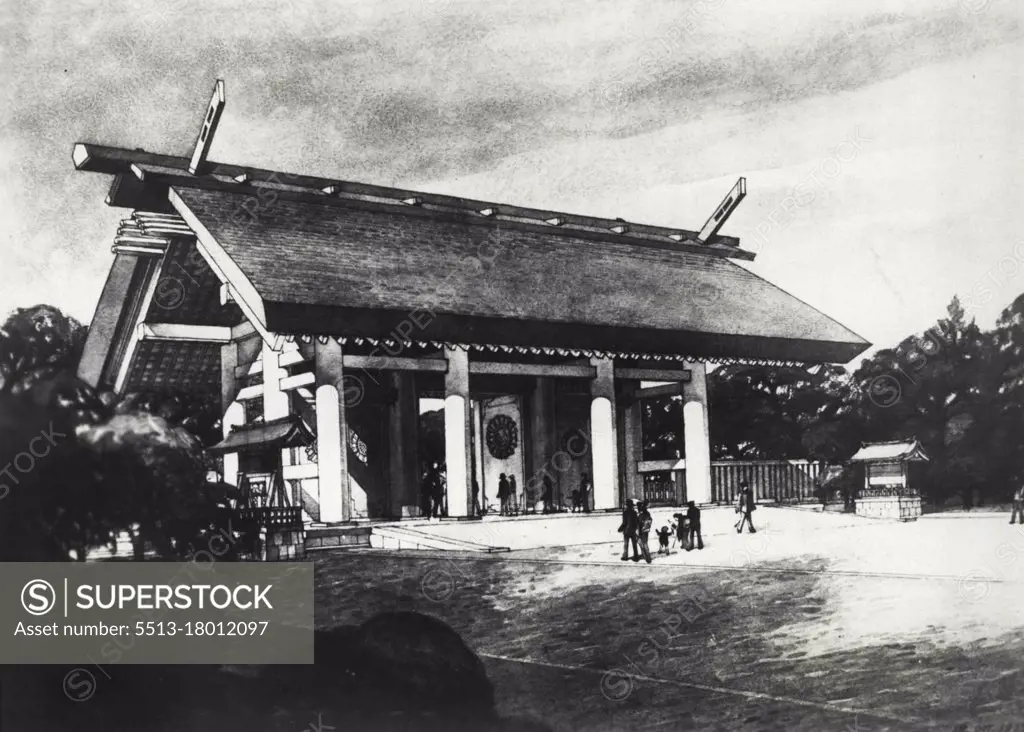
point(895, 451)
point(343, 304)
point(891, 479)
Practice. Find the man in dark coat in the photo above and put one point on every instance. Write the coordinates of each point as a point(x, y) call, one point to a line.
point(549, 494)
point(745, 506)
point(585, 492)
point(503, 494)
point(693, 520)
point(644, 521)
point(628, 529)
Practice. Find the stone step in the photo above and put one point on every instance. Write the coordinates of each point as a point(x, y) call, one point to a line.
point(337, 537)
point(394, 537)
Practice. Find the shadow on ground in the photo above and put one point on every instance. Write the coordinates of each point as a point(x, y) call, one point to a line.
point(398, 671)
point(599, 647)
point(463, 642)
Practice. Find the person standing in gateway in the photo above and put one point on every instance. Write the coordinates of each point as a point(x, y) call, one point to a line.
point(503, 494)
point(548, 497)
point(585, 492)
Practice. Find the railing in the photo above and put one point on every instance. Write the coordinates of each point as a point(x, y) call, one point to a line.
point(272, 517)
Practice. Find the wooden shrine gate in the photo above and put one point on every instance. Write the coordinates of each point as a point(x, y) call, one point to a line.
point(665, 488)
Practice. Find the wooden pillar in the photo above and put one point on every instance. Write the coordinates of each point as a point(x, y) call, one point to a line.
point(542, 433)
point(603, 440)
point(114, 299)
point(477, 430)
point(633, 443)
point(276, 404)
point(457, 434)
point(331, 434)
point(696, 435)
point(233, 412)
point(275, 401)
point(679, 484)
point(402, 435)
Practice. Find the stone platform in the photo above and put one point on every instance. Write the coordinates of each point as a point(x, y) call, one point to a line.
point(337, 537)
point(900, 508)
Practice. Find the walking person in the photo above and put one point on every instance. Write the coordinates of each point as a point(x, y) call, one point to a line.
point(693, 520)
point(644, 529)
point(628, 529)
point(503, 493)
point(1018, 505)
point(745, 506)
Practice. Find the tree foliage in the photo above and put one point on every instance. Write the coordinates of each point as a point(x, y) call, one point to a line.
point(956, 388)
point(79, 466)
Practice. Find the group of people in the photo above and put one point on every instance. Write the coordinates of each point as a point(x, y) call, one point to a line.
point(635, 528)
point(581, 496)
point(508, 495)
point(636, 518)
point(512, 502)
point(432, 491)
point(685, 528)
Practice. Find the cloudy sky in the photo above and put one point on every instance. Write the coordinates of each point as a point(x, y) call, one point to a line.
point(877, 136)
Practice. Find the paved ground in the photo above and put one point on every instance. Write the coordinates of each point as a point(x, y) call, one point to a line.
point(817, 622)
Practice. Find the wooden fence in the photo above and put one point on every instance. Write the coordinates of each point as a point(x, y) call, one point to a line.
point(271, 517)
point(784, 481)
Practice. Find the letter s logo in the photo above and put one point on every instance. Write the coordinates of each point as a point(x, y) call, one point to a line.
point(38, 597)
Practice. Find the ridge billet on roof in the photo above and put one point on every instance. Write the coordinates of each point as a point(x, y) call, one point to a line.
point(118, 161)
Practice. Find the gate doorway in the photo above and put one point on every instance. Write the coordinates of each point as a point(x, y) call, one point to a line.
point(664, 488)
